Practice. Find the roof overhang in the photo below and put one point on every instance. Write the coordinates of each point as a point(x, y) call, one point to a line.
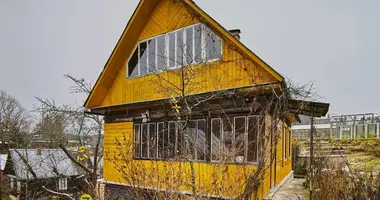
point(308, 108)
point(262, 89)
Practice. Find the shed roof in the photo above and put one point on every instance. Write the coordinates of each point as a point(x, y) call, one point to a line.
point(308, 108)
point(49, 163)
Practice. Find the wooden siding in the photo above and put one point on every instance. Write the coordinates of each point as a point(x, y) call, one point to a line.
point(283, 167)
point(233, 70)
point(34, 187)
point(210, 178)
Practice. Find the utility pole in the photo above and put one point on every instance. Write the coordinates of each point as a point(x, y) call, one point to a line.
point(311, 153)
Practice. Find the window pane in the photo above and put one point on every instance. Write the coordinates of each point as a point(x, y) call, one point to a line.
point(161, 53)
point(190, 139)
point(239, 139)
point(180, 139)
point(152, 141)
point(143, 58)
point(172, 138)
point(228, 137)
point(198, 43)
point(137, 147)
point(166, 144)
point(213, 45)
point(160, 131)
point(201, 140)
point(189, 45)
point(133, 64)
point(152, 55)
point(171, 50)
point(180, 47)
point(253, 130)
point(144, 141)
point(216, 139)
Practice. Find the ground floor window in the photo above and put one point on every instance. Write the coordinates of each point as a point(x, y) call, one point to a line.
point(18, 186)
point(12, 180)
point(62, 184)
point(236, 139)
point(231, 139)
point(171, 140)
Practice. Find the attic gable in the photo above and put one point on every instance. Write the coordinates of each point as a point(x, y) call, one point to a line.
point(156, 14)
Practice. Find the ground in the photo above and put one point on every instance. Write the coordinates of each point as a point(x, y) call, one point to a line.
point(293, 189)
point(364, 162)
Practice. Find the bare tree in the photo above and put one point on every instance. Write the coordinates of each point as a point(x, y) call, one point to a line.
point(85, 127)
point(14, 127)
point(14, 120)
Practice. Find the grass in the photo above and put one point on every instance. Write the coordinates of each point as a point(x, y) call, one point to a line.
point(364, 161)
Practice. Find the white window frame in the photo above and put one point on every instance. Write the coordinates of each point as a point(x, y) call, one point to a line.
point(258, 138)
point(175, 138)
point(163, 129)
point(147, 138)
point(196, 142)
point(176, 64)
point(62, 183)
point(12, 182)
point(194, 156)
point(221, 142)
point(149, 124)
point(245, 138)
point(204, 45)
point(18, 186)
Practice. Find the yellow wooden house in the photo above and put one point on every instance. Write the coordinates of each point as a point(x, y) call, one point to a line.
point(184, 114)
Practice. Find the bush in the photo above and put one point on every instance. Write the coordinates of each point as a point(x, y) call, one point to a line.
point(371, 135)
point(372, 146)
point(345, 140)
point(340, 184)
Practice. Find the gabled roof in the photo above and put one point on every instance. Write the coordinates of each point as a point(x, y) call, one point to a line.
point(49, 164)
point(136, 24)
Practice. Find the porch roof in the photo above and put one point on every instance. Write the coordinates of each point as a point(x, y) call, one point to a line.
point(240, 91)
point(308, 108)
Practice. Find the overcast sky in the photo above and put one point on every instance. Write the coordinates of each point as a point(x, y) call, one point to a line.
point(334, 43)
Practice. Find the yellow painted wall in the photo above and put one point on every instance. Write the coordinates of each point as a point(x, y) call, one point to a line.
point(283, 166)
point(210, 178)
point(233, 70)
